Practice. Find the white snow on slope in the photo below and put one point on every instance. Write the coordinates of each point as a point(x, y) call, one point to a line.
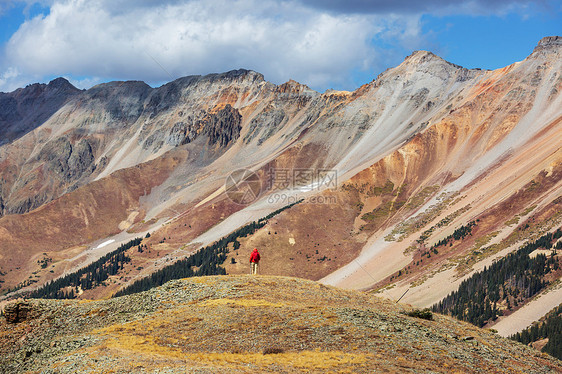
point(105, 243)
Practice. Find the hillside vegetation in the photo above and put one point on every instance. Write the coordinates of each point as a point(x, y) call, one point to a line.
point(506, 284)
point(545, 334)
point(242, 324)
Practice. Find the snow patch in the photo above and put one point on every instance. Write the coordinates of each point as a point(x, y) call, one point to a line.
point(105, 243)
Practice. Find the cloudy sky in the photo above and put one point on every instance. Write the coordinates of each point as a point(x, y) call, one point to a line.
point(338, 44)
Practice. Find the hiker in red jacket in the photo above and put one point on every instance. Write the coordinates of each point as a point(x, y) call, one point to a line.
point(254, 261)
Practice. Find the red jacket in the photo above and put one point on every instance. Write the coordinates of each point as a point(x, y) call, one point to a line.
point(255, 256)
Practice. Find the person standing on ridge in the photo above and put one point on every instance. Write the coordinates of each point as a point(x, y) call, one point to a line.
point(254, 261)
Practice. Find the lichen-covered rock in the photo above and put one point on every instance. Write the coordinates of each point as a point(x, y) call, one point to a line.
point(20, 311)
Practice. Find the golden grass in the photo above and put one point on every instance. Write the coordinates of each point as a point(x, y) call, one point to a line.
point(517, 217)
point(304, 359)
point(513, 221)
point(148, 346)
point(240, 302)
point(139, 339)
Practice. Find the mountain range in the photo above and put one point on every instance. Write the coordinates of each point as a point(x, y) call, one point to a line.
point(385, 176)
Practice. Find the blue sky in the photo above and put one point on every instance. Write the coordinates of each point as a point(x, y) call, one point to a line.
point(323, 43)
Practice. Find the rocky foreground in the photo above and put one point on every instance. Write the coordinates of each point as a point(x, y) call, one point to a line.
point(240, 324)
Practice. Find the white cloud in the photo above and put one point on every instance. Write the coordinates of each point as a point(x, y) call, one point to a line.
point(152, 41)
point(443, 7)
point(10, 73)
point(8, 76)
point(11, 78)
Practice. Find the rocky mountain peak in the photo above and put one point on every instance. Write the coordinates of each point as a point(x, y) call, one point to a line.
point(235, 75)
point(26, 108)
point(293, 87)
point(422, 54)
point(418, 58)
point(61, 84)
point(423, 64)
point(120, 86)
point(548, 44)
point(550, 41)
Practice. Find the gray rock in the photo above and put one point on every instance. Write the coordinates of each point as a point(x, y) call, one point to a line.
point(224, 126)
point(67, 162)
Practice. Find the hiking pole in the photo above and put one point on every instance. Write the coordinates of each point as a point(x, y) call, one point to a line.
point(402, 295)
